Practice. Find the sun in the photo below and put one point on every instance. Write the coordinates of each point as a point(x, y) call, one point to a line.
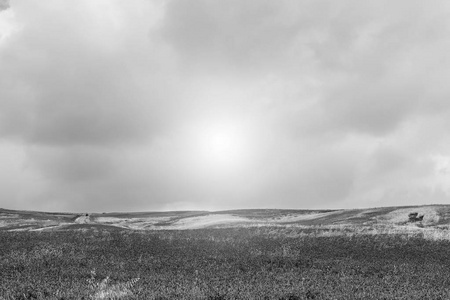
point(220, 145)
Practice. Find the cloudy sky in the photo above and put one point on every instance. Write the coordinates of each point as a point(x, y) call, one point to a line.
point(171, 104)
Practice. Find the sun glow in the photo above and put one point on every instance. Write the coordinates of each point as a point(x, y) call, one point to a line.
point(221, 145)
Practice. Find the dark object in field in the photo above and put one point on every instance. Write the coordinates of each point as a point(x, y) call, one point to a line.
point(414, 218)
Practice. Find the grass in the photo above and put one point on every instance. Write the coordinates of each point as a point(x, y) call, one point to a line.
point(283, 262)
point(434, 215)
point(104, 290)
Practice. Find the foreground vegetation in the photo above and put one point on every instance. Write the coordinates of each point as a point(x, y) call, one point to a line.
point(235, 263)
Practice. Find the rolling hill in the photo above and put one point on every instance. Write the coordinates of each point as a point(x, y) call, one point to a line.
point(435, 216)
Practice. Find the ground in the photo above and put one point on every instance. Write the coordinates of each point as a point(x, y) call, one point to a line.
point(245, 254)
point(435, 216)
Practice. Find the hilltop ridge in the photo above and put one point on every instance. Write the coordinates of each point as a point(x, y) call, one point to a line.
point(19, 220)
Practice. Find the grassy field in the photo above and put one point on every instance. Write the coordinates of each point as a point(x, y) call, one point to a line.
point(434, 215)
point(259, 262)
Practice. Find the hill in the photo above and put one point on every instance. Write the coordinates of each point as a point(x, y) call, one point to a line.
point(434, 216)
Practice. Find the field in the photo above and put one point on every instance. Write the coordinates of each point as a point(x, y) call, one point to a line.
point(373, 255)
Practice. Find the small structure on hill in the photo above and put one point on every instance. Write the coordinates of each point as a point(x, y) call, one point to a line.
point(413, 217)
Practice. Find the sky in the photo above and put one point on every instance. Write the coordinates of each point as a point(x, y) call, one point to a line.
point(148, 105)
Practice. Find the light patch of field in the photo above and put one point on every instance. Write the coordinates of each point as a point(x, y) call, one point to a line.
point(291, 218)
point(431, 215)
point(110, 220)
point(436, 234)
point(208, 221)
point(120, 222)
point(114, 220)
point(365, 213)
point(132, 223)
point(8, 216)
point(27, 223)
point(21, 229)
point(51, 227)
point(83, 219)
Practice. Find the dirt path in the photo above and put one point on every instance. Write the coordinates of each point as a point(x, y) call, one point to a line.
point(83, 219)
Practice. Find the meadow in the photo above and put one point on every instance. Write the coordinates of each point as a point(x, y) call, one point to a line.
point(254, 262)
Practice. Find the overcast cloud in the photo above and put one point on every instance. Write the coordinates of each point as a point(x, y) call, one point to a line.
point(172, 105)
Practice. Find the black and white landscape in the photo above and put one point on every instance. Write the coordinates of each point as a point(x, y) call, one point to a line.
point(241, 149)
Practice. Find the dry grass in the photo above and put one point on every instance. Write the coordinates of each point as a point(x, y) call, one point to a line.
point(367, 220)
point(340, 261)
point(105, 290)
point(440, 233)
point(431, 215)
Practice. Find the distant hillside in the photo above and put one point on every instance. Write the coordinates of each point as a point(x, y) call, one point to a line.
point(433, 216)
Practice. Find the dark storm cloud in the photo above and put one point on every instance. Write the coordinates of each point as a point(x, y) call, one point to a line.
point(109, 105)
